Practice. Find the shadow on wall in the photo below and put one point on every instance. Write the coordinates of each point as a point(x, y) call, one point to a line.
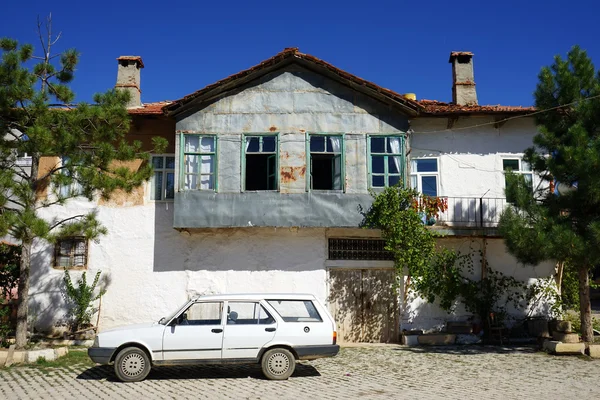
point(234, 249)
point(364, 305)
point(48, 302)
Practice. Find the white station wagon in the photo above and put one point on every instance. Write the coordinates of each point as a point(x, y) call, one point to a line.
point(274, 330)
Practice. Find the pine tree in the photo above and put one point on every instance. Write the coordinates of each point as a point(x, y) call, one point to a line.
point(37, 118)
point(562, 226)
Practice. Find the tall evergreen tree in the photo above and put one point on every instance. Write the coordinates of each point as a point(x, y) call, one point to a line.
point(562, 226)
point(37, 118)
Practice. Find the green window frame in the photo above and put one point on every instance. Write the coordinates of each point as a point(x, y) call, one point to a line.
point(198, 162)
point(327, 146)
point(386, 163)
point(262, 144)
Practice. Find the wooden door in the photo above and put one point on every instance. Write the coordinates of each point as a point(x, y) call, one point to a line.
point(364, 305)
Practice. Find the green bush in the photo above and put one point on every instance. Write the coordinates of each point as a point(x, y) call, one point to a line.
point(80, 300)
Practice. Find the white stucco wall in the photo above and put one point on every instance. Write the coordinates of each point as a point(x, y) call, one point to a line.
point(470, 160)
point(416, 313)
point(149, 269)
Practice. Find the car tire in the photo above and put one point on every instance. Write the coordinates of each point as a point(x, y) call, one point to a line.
point(132, 364)
point(278, 364)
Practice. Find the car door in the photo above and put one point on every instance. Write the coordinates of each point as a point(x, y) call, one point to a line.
point(248, 329)
point(196, 334)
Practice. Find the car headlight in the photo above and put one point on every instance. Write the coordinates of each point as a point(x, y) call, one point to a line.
point(96, 342)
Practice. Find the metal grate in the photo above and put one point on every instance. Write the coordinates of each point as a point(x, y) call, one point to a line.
point(358, 249)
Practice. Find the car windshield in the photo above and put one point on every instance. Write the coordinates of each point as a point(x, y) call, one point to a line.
point(165, 320)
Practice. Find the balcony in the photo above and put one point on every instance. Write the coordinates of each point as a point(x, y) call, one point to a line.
point(469, 214)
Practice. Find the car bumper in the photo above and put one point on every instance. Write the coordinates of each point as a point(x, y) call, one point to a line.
point(101, 355)
point(314, 352)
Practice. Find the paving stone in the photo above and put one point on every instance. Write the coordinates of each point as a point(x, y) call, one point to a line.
point(594, 350)
point(437, 339)
point(565, 337)
point(374, 372)
point(557, 347)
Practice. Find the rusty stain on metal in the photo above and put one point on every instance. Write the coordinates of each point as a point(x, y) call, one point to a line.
point(292, 174)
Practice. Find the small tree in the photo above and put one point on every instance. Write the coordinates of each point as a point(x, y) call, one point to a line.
point(562, 227)
point(37, 118)
point(80, 300)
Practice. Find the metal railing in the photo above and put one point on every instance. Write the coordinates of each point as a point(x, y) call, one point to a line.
point(472, 212)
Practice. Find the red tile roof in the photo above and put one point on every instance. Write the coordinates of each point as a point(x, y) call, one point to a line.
point(434, 107)
point(293, 52)
point(150, 108)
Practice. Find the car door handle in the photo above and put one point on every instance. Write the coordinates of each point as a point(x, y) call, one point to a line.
point(217, 330)
point(270, 329)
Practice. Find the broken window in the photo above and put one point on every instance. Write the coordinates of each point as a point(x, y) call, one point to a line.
point(199, 166)
point(71, 252)
point(326, 162)
point(260, 157)
point(387, 161)
point(163, 180)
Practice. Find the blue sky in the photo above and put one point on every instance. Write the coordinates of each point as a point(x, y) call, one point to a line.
point(401, 45)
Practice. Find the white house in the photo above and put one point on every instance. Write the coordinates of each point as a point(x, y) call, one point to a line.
point(260, 188)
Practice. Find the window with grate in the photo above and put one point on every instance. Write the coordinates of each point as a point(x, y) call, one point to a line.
point(71, 253)
point(358, 249)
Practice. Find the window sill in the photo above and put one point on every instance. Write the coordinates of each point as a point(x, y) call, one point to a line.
point(260, 191)
point(325, 191)
point(77, 268)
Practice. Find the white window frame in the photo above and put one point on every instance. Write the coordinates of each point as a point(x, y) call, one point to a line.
point(419, 175)
point(164, 171)
point(521, 171)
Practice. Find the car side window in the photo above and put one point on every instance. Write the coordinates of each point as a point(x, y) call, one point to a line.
point(296, 310)
point(248, 313)
point(202, 314)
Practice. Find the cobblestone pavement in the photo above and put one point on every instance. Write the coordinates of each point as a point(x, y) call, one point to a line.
point(377, 372)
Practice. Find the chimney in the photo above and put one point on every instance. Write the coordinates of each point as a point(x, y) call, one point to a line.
point(463, 80)
point(128, 78)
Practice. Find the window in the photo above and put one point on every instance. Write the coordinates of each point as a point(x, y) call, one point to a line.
point(71, 253)
point(199, 166)
point(163, 180)
point(260, 158)
point(74, 188)
point(358, 249)
point(386, 165)
point(296, 310)
point(520, 167)
point(326, 162)
point(424, 175)
point(248, 314)
point(202, 314)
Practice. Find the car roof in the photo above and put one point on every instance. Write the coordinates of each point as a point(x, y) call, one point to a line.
point(258, 296)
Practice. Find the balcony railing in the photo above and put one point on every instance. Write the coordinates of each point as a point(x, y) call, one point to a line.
point(471, 212)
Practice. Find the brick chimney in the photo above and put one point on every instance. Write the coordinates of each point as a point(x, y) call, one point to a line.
point(128, 78)
point(463, 80)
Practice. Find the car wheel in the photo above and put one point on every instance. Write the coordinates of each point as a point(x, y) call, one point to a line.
point(132, 364)
point(278, 364)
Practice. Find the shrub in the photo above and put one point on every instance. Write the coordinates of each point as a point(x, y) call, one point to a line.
point(80, 300)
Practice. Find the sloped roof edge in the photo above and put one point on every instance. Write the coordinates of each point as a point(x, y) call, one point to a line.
point(289, 53)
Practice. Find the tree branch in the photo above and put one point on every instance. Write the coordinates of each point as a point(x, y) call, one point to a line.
point(66, 220)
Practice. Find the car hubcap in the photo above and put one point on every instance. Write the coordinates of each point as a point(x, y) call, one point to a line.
point(278, 364)
point(133, 365)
